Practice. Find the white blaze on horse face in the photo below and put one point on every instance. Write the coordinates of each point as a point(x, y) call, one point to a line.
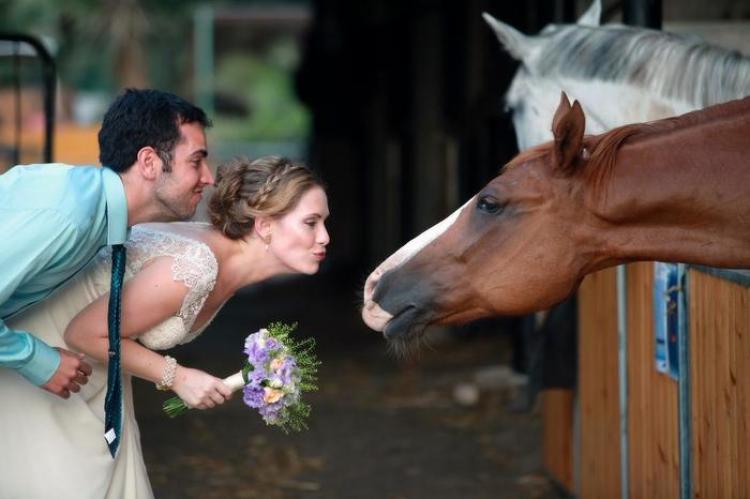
point(374, 316)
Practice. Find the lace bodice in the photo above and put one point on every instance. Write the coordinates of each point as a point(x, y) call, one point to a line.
point(194, 264)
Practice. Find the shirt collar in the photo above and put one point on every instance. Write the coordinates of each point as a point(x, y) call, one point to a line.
point(117, 207)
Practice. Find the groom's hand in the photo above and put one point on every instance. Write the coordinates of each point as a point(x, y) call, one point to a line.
point(72, 372)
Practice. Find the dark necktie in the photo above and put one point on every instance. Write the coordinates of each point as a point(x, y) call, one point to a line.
point(113, 400)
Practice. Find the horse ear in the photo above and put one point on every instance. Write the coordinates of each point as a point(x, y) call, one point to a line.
point(568, 127)
point(518, 45)
point(562, 110)
point(592, 16)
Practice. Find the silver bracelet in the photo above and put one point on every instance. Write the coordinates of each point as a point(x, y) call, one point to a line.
point(167, 378)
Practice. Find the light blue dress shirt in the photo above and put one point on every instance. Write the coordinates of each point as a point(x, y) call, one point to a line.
point(53, 220)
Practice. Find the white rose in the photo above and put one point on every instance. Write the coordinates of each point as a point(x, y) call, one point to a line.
point(276, 383)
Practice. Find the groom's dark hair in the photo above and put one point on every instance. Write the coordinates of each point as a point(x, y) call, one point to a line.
point(141, 118)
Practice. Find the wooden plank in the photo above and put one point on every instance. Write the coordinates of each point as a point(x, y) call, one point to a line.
point(638, 411)
point(724, 397)
point(557, 419)
point(652, 396)
point(598, 387)
point(720, 356)
point(741, 333)
point(697, 381)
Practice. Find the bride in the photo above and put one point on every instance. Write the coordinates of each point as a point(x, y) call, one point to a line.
point(267, 218)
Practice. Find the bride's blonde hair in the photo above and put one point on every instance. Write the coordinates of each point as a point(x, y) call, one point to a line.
point(269, 186)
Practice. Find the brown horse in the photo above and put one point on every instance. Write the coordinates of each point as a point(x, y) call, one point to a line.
point(672, 190)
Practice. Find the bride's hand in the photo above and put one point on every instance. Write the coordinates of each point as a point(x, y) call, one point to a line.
point(198, 389)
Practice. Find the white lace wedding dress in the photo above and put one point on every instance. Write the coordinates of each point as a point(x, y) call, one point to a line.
point(50, 447)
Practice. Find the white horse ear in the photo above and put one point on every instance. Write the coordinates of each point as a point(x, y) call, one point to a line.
point(516, 43)
point(593, 16)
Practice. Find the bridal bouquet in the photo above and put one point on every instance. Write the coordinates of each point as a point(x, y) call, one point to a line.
point(278, 369)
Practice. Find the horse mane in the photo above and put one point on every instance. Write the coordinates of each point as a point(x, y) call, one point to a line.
point(673, 66)
point(601, 150)
point(529, 154)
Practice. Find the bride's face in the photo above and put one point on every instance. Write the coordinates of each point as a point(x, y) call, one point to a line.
point(299, 238)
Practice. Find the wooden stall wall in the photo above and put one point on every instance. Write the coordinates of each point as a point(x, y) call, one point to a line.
point(719, 327)
point(598, 392)
point(558, 430)
point(720, 378)
point(653, 437)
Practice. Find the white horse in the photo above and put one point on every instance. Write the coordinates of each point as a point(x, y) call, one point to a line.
point(620, 74)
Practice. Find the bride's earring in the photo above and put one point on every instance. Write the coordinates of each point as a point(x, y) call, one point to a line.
point(268, 241)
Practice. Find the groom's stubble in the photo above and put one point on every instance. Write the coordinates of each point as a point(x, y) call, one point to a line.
point(175, 203)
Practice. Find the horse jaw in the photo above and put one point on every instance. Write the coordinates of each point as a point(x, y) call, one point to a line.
point(592, 16)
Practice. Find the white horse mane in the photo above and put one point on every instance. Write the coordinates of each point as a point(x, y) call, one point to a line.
point(674, 66)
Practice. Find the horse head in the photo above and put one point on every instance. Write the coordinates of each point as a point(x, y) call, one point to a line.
point(515, 247)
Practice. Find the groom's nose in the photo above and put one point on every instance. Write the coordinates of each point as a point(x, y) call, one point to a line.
point(207, 177)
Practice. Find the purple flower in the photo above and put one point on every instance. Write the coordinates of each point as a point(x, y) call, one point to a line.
point(253, 395)
point(287, 372)
point(256, 348)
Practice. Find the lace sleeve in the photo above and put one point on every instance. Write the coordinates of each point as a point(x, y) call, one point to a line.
point(197, 269)
point(194, 264)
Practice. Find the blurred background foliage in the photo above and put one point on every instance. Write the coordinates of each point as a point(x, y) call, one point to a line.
point(268, 108)
point(103, 46)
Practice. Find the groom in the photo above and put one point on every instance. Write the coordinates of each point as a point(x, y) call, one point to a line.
point(54, 218)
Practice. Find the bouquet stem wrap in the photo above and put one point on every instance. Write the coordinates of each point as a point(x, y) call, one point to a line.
point(235, 381)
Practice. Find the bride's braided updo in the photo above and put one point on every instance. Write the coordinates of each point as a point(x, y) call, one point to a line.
point(270, 186)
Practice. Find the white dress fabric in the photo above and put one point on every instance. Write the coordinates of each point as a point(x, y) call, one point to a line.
point(51, 447)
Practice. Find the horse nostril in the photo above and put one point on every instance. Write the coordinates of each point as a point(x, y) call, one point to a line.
point(369, 291)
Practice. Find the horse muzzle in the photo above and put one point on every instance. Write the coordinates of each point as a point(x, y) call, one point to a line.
point(394, 306)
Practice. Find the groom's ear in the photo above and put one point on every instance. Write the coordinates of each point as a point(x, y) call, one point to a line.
point(148, 163)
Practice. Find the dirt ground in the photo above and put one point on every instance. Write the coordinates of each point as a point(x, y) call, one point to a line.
point(436, 425)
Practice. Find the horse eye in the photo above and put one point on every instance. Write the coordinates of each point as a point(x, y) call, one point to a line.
point(488, 204)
